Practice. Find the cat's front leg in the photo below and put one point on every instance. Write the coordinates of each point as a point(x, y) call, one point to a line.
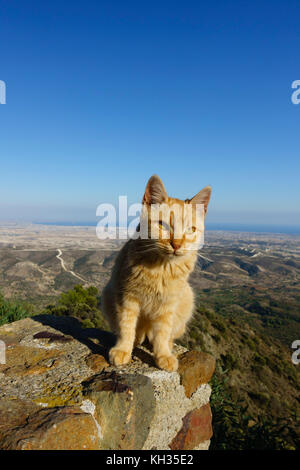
point(162, 330)
point(127, 315)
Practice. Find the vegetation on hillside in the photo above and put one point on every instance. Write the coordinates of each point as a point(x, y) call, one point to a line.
point(13, 310)
point(275, 312)
point(82, 304)
point(255, 388)
point(235, 429)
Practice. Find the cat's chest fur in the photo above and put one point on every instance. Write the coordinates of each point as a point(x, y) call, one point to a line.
point(159, 285)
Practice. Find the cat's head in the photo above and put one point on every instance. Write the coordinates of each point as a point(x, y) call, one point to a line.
point(170, 226)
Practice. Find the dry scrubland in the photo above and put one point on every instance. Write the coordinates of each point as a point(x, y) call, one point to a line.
point(248, 301)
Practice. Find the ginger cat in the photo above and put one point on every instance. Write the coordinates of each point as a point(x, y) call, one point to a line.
point(148, 294)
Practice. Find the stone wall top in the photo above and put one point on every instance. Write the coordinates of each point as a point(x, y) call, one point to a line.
point(57, 391)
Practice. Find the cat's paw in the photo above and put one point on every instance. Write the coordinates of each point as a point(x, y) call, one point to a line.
point(117, 357)
point(169, 363)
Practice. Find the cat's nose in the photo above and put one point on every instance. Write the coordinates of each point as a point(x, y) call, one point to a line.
point(176, 244)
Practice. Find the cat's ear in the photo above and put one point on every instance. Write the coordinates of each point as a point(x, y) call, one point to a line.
point(155, 192)
point(202, 197)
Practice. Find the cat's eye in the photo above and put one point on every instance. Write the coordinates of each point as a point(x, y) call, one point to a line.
point(164, 225)
point(190, 230)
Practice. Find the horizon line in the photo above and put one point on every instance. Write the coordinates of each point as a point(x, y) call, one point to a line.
point(211, 226)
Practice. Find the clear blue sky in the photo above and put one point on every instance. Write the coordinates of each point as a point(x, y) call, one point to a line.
point(102, 94)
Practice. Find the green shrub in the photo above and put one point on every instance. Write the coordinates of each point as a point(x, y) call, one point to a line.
point(259, 359)
point(219, 325)
point(11, 310)
point(82, 304)
point(208, 313)
point(250, 343)
point(275, 366)
point(229, 361)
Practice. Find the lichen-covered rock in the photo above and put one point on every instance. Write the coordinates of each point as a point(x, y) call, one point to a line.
point(57, 391)
point(64, 428)
point(125, 406)
point(26, 360)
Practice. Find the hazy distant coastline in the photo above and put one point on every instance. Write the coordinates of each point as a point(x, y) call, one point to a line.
point(255, 228)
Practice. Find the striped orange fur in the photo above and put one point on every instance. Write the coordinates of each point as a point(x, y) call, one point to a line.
point(148, 294)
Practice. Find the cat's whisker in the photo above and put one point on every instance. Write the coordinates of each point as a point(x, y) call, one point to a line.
point(146, 250)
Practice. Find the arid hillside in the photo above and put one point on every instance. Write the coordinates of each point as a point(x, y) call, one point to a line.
point(247, 310)
point(238, 274)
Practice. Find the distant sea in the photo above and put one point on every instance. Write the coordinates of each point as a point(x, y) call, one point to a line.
point(288, 229)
